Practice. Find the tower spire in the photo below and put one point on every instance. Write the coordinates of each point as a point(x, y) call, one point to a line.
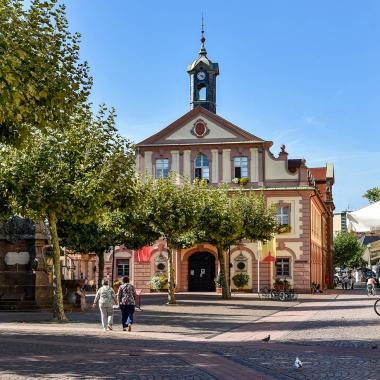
point(203, 51)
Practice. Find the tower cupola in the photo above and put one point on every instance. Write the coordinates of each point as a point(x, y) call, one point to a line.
point(203, 73)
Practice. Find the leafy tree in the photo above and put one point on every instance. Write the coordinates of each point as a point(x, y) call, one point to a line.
point(220, 224)
point(259, 219)
point(347, 251)
point(226, 218)
point(72, 174)
point(42, 80)
point(373, 195)
point(173, 216)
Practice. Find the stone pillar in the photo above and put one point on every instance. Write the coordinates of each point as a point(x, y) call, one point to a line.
point(175, 161)
point(226, 165)
point(187, 163)
point(148, 170)
point(215, 166)
point(254, 165)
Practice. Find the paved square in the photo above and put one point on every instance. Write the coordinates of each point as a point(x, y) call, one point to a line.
point(203, 337)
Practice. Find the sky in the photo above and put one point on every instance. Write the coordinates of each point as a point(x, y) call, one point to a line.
point(303, 73)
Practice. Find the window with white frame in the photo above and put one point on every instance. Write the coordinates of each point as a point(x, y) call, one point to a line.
point(283, 213)
point(202, 170)
point(162, 168)
point(241, 167)
point(283, 267)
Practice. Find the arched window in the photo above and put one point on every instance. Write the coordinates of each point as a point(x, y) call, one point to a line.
point(202, 170)
point(202, 93)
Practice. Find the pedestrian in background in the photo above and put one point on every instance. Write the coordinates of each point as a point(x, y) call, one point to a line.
point(106, 297)
point(127, 300)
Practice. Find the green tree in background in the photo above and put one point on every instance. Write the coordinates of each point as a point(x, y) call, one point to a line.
point(73, 174)
point(173, 215)
point(347, 251)
point(373, 194)
point(42, 80)
point(220, 224)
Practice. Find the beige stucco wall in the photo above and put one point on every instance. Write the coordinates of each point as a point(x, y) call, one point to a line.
point(276, 169)
point(295, 214)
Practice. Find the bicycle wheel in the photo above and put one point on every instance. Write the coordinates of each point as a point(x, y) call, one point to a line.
point(376, 306)
point(282, 296)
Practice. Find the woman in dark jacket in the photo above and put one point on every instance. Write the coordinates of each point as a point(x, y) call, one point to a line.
point(126, 297)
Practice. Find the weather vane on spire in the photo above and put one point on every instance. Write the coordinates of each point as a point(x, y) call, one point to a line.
point(203, 39)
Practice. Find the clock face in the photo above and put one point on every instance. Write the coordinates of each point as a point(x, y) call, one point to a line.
point(201, 75)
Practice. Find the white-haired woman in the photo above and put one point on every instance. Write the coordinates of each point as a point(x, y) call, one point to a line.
point(106, 297)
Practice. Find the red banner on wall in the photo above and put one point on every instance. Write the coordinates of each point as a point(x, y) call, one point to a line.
point(143, 254)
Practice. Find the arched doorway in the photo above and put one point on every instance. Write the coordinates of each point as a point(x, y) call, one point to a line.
point(201, 272)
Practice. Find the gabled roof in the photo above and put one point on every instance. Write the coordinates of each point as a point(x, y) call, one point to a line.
point(238, 135)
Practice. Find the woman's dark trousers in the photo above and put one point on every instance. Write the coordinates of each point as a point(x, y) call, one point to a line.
point(127, 314)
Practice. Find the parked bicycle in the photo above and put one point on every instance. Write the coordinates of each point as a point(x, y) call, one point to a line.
point(376, 306)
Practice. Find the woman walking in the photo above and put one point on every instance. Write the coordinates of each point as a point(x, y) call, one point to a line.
point(127, 300)
point(106, 297)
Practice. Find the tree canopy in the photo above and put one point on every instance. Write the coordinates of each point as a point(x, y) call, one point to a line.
point(372, 195)
point(42, 80)
point(347, 250)
point(74, 174)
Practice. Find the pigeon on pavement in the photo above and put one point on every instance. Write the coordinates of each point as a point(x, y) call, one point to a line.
point(297, 363)
point(266, 339)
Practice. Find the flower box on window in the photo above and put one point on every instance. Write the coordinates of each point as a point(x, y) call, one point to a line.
point(284, 228)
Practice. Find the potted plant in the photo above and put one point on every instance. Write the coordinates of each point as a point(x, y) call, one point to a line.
point(158, 282)
point(240, 280)
point(218, 283)
point(236, 180)
point(283, 228)
point(243, 181)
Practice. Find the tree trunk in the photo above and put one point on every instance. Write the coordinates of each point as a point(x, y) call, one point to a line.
point(171, 279)
point(58, 310)
point(100, 268)
point(226, 292)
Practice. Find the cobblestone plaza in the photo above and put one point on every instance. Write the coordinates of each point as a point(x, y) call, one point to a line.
point(203, 337)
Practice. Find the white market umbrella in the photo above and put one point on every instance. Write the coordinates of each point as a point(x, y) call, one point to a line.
point(365, 219)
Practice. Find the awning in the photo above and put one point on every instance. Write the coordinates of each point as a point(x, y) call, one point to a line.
point(366, 219)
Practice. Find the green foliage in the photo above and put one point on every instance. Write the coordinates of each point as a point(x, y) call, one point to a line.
point(240, 280)
point(219, 280)
point(347, 251)
point(42, 80)
point(258, 219)
point(77, 172)
point(158, 282)
point(373, 194)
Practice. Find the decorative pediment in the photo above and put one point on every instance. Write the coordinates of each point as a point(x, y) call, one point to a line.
point(200, 126)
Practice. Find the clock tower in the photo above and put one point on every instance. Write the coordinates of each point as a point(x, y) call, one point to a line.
point(203, 75)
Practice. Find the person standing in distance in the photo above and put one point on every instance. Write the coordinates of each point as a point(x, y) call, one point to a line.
point(126, 297)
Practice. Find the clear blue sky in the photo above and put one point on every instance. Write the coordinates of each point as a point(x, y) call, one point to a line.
point(300, 73)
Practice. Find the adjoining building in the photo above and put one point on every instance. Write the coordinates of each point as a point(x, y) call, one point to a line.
point(202, 144)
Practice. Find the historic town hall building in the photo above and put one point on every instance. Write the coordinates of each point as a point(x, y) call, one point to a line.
point(201, 144)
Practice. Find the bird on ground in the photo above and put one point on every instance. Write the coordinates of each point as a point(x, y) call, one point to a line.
point(297, 363)
point(266, 339)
